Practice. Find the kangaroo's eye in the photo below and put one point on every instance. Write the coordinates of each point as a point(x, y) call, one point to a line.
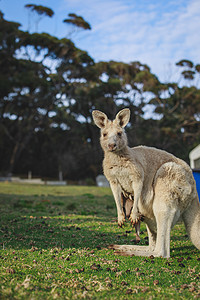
point(104, 134)
point(119, 133)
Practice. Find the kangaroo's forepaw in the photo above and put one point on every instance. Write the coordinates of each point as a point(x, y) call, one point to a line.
point(135, 218)
point(121, 220)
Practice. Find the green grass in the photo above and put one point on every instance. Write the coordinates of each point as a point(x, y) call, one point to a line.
point(53, 244)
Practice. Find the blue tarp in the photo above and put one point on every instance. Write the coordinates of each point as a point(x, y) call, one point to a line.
point(196, 174)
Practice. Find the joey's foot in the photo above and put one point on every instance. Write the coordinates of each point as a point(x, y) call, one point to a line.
point(136, 218)
point(138, 239)
point(121, 220)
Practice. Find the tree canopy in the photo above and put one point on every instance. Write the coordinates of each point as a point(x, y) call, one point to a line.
point(77, 21)
point(40, 10)
point(49, 87)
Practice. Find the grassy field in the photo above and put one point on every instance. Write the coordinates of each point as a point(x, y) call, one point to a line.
point(53, 245)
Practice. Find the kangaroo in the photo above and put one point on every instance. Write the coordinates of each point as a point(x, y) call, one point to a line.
point(127, 204)
point(162, 185)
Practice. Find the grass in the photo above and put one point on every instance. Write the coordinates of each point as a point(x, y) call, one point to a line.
point(53, 244)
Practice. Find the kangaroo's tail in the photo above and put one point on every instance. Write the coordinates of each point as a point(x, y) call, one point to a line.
point(191, 219)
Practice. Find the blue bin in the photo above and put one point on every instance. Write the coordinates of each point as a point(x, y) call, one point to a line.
point(196, 174)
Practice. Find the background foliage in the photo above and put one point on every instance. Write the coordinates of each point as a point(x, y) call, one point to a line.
point(49, 87)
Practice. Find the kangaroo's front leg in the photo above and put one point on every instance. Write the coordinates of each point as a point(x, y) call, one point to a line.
point(116, 190)
point(136, 216)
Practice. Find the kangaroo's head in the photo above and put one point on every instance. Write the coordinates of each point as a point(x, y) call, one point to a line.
point(113, 137)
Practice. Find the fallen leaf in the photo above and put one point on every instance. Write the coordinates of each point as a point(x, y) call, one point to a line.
point(180, 259)
point(181, 265)
point(26, 282)
point(129, 291)
point(11, 271)
point(124, 283)
point(192, 289)
point(109, 284)
point(156, 282)
point(184, 286)
point(95, 267)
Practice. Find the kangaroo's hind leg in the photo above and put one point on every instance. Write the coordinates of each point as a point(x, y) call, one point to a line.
point(166, 207)
point(165, 218)
point(131, 250)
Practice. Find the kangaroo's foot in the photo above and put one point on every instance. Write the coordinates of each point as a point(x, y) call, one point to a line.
point(136, 253)
point(125, 248)
point(131, 250)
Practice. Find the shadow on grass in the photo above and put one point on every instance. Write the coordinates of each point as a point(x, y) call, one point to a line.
point(82, 221)
point(77, 232)
point(50, 221)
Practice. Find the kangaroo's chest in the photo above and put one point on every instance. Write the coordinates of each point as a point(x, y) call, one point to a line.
point(122, 173)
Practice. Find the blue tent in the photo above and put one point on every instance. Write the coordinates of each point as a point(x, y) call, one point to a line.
point(196, 174)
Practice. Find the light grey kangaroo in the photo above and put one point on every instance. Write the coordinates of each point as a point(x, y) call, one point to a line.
point(162, 186)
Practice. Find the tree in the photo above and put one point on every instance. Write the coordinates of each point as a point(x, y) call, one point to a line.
point(31, 91)
point(107, 86)
point(49, 87)
point(77, 22)
point(189, 70)
point(178, 107)
point(40, 11)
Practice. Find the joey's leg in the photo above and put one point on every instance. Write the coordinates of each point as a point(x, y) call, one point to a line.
point(127, 204)
point(137, 231)
point(116, 190)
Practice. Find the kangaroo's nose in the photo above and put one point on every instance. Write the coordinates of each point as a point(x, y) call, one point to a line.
point(112, 146)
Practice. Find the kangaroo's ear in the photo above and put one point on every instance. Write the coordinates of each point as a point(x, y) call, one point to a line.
point(123, 117)
point(100, 119)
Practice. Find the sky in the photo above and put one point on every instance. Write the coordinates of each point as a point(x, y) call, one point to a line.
point(158, 33)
